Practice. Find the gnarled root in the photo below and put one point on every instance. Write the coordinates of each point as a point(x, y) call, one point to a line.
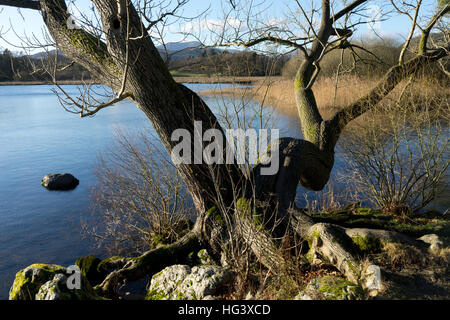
point(332, 244)
point(148, 263)
point(339, 246)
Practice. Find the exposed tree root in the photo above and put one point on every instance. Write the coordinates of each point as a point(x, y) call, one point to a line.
point(382, 235)
point(339, 246)
point(329, 243)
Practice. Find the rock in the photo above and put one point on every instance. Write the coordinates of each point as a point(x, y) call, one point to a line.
point(433, 240)
point(49, 282)
point(331, 288)
point(302, 296)
point(59, 181)
point(204, 257)
point(57, 289)
point(29, 280)
point(180, 282)
point(371, 280)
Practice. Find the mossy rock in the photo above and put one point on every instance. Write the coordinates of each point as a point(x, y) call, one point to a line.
point(49, 282)
point(29, 280)
point(164, 284)
point(57, 289)
point(89, 268)
point(181, 282)
point(367, 245)
point(332, 288)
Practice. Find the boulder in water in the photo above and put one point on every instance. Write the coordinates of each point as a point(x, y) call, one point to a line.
point(59, 181)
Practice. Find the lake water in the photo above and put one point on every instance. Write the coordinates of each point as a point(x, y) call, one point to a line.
point(38, 137)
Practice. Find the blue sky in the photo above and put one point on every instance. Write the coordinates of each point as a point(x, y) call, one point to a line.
point(29, 22)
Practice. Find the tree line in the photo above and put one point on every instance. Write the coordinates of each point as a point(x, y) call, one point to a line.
point(205, 62)
point(369, 59)
point(32, 68)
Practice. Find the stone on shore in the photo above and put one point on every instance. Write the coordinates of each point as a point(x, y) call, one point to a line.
point(181, 282)
point(50, 282)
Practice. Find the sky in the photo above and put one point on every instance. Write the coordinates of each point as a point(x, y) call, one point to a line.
point(16, 25)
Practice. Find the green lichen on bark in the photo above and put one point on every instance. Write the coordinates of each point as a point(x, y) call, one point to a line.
point(354, 269)
point(93, 47)
point(307, 111)
point(216, 215)
point(105, 265)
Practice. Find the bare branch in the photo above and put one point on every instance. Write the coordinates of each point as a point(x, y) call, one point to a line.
point(347, 10)
point(427, 30)
point(84, 108)
point(25, 4)
point(411, 33)
point(269, 38)
point(386, 85)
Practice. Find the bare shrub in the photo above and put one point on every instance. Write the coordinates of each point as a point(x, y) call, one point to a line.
point(140, 200)
point(367, 59)
point(331, 198)
point(248, 215)
point(399, 156)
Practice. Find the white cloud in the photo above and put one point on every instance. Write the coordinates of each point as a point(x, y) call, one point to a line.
point(210, 25)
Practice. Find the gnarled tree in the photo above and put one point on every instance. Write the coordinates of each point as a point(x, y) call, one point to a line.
point(124, 58)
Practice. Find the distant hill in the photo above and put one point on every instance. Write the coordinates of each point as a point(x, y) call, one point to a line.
point(178, 46)
point(188, 49)
point(175, 50)
point(180, 50)
point(186, 58)
point(43, 54)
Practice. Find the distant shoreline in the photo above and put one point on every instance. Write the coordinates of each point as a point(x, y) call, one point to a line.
point(213, 79)
point(218, 79)
point(32, 83)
